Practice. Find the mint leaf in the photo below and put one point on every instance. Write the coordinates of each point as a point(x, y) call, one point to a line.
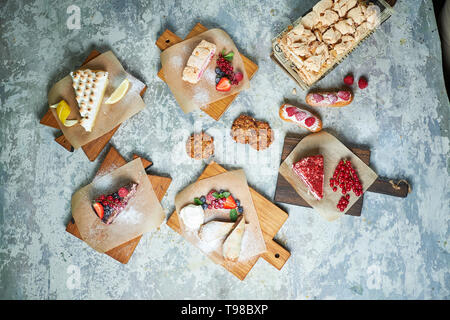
point(198, 201)
point(233, 214)
point(226, 194)
point(229, 56)
point(216, 195)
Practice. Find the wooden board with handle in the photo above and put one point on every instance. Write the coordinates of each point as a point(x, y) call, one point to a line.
point(285, 193)
point(160, 185)
point(93, 148)
point(217, 109)
point(271, 219)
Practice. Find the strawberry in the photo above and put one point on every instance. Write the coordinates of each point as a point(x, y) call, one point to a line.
point(98, 209)
point(344, 95)
point(300, 115)
point(224, 85)
point(229, 203)
point(348, 80)
point(318, 97)
point(291, 111)
point(362, 83)
point(310, 121)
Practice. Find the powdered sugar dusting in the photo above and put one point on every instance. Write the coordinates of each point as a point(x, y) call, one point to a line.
point(201, 96)
point(210, 75)
point(129, 216)
point(176, 61)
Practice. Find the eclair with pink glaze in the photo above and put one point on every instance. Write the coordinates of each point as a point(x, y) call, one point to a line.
point(329, 98)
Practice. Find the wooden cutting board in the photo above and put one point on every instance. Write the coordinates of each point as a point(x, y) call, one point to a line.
point(271, 219)
point(160, 185)
point(214, 110)
point(285, 193)
point(93, 148)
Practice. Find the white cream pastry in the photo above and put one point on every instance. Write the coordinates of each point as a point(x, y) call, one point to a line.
point(215, 230)
point(192, 216)
point(89, 89)
point(231, 249)
point(198, 61)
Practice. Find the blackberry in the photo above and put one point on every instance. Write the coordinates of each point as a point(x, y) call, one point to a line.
point(218, 79)
point(238, 203)
point(218, 71)
point(203, 199)
point(205, 206)
point(240, 209)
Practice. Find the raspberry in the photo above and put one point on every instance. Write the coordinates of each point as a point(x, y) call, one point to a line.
point(348, 80)
point(362, 83)
point(310, 121)
point(344, 95)
point(291, 111)
point(318, 97)
point(302, 115)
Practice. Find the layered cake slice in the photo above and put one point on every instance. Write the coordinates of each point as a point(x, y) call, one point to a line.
point(89, 89)
point(310, 170)
point(108, 207)
point(198, 61)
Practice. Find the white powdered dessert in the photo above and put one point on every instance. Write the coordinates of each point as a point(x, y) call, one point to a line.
point(192, 216)
point(89, 89)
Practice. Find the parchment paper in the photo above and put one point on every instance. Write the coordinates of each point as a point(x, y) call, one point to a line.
point(143, 213)
point(333, 151)
point(235, 182)
point(193, 96)
point(109, 116)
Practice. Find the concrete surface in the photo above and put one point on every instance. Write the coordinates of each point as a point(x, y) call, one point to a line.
point(398, 249)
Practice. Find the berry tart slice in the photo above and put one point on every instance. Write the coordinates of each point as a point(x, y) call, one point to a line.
point(108, 207)
point(310, 170)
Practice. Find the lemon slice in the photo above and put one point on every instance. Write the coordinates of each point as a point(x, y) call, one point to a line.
point(63, 111)
point(70, 123)
point(119, 93)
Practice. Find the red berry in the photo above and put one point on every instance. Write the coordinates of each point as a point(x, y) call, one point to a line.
point(334, 189)
point(348, 80)
point(122, 192)
point(344, 95)
point(310, 121)
point(98, 209)
point(238, 76)
point(362, 83)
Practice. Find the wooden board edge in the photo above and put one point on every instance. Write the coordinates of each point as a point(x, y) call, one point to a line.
point(160, 191)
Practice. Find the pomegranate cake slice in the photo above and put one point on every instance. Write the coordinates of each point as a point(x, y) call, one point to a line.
point(108, 207)
point(310, 170)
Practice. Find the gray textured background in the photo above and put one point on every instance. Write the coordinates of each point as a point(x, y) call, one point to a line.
point(397, 249)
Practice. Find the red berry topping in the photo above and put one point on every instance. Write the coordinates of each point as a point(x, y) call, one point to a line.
point(238, 76)
point(98, 209)
point(291, 111)
point(310, 121)
point(344, 95)
point(300, 115)
point(362, 83)
point(224, 85)
point(348, 80)
point(318, 97)
point(122, 192)
point(229, 203)
point(332, 98)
